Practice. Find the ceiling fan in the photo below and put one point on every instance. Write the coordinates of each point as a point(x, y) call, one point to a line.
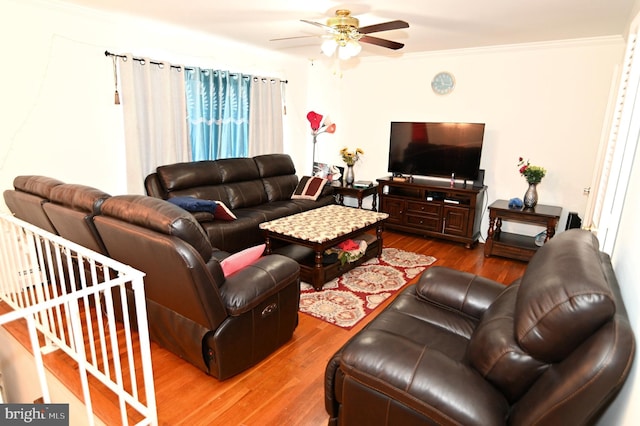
point(345, 34)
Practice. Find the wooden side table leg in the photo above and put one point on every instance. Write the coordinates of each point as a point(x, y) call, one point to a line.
point(374, 203)
point(267, 243)
point(488, 244)
point(551, 230)
point(359, 201)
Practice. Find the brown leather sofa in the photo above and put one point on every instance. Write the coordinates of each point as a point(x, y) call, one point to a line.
point(552, 348)
point(221, 324)
point(256, 189)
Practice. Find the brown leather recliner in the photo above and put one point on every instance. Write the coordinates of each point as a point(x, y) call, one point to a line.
point(222, 325)
point(553, 348)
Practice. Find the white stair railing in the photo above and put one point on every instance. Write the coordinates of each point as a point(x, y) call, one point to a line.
point(87, 305)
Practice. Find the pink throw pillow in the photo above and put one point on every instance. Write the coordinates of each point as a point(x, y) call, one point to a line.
point(239, 260)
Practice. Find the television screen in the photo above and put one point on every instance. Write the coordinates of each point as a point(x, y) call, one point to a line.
point(436, 149)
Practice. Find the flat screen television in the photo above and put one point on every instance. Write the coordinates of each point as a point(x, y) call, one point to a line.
point(436, 149)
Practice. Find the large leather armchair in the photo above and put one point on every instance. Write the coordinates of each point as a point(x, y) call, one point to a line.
point(552, 348)
point(222, 325)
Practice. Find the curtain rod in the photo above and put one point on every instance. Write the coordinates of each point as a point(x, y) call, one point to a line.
point(107, 53)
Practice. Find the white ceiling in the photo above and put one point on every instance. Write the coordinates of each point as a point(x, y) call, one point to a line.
point(434, 24)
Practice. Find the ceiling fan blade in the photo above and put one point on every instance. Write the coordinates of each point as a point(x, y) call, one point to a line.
point(294, 37)
point(382, 42)
point(385, 26)
point(318, 24)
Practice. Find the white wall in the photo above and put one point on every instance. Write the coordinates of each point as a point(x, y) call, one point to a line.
point(58, 113)
point(545, 102)
point(624, 410)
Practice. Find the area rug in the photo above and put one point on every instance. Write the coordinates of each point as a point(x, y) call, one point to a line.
point(349, 298)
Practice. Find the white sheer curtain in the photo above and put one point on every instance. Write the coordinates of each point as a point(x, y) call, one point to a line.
point(153, 100)
point(265, 116)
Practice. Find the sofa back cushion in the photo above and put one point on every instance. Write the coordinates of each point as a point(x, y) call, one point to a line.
point(242, 182)
point(71, 212)
point(36, 185)
point(175, 177)
point(26, 200)
point(160, 216)
point(278, 175)
point(78, 197)
point(199, 179)
point(564, 297)
point(494, 352)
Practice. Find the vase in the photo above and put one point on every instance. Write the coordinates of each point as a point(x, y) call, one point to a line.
point(349, 178)
point(531, 196)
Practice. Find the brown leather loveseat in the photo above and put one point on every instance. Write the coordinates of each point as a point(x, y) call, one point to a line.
point(256, 190)
point(553, 348)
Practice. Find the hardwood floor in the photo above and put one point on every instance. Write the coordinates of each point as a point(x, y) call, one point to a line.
point(288, 387)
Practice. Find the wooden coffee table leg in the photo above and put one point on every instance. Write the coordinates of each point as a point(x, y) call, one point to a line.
point(267, 243)
point(379, 238)
point(317, 276)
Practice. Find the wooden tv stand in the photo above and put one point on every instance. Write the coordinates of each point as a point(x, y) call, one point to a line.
point(432, 208)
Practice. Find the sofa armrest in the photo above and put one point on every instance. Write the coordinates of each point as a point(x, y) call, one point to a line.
point(465, 292)
point(248, 287)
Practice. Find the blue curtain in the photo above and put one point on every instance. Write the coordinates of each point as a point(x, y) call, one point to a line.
point(217, 113)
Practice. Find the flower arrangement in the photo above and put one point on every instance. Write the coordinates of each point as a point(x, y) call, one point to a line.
point(533, 174)
point(351, 157)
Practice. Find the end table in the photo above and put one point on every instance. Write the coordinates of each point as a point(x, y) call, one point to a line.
point(512, 245)
point(360, 193)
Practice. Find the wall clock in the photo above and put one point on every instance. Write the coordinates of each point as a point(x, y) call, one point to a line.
point(443, 83)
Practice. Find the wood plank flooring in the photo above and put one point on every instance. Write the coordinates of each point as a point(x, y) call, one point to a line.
point(288, 387)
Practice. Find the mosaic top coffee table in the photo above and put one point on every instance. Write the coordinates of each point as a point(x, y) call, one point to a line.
point(310, 233)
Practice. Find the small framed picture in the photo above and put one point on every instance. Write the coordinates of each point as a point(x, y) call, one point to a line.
point(332, 173)
point(320, 169)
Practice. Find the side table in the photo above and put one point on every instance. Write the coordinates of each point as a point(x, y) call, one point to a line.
point(516, 246)
point(360, 193)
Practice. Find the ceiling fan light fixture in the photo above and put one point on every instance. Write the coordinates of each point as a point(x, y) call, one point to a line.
point(329, 46)
point(354, 47)
point(349, 50)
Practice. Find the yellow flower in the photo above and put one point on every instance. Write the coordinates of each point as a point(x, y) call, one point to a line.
point(350, 157)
